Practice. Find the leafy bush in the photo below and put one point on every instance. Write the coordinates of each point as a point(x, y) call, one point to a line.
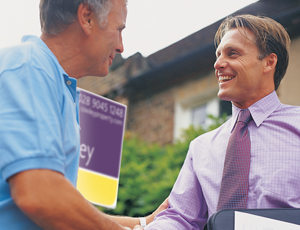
point(148, 171)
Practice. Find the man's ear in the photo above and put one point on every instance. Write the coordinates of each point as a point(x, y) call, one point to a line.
point(85, 18)
point(270, 62)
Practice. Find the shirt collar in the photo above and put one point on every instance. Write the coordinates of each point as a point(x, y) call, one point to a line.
point(260, 110)
point(71, 84)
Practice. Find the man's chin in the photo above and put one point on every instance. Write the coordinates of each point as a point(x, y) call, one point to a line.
point(103, 73)
point(223, 96)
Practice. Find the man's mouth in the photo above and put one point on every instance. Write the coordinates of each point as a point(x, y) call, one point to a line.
point(225, 78)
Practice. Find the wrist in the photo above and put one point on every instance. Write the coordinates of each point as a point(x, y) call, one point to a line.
point(149, 218)
point(143, 222)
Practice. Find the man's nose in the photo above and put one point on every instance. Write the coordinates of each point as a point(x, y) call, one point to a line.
point(120, 47)
point(220, 63)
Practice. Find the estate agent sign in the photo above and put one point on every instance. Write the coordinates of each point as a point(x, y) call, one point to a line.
point(102, 123)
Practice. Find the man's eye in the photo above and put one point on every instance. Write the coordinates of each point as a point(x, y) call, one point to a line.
point(231, 53)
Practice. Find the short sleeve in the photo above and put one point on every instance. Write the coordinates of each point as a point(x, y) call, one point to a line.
point(30, 121)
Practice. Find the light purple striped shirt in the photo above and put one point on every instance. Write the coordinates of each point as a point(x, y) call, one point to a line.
point(274, 178)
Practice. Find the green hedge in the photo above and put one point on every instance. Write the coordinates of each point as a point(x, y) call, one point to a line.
point(148, 171)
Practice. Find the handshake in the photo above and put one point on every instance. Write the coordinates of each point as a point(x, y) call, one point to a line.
point(137, 227)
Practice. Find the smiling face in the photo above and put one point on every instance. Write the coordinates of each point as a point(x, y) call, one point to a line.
point(107, 41)
point(240, 73)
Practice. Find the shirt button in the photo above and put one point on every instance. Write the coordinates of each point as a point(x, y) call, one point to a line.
point(69, 83)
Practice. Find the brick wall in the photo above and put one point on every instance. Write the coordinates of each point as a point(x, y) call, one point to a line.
point(151, 117)
point(288, 90)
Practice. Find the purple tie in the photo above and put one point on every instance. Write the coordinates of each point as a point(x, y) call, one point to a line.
point(235, 179)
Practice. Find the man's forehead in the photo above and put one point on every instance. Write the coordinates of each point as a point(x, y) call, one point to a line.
point(237, 35)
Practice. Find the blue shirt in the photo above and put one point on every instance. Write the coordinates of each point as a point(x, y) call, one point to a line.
point(38, 121)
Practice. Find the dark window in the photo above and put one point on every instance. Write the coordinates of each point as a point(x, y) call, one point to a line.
point(225, 107)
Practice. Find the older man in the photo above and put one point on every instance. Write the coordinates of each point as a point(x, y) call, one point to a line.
point(39, 130)
point(253, 160)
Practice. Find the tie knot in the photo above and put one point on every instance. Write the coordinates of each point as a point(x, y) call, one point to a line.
point(244, 116)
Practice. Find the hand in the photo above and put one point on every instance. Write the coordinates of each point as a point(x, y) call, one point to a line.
point(162, 207)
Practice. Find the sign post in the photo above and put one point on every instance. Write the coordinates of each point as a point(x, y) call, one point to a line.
point(102, 124)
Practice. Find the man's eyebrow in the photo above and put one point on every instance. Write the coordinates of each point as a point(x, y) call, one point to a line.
point(229, 47)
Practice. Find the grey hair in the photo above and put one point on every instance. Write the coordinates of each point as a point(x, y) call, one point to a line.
point(57, 15)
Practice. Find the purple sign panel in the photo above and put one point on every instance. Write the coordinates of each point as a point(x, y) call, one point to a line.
point(101, 135)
